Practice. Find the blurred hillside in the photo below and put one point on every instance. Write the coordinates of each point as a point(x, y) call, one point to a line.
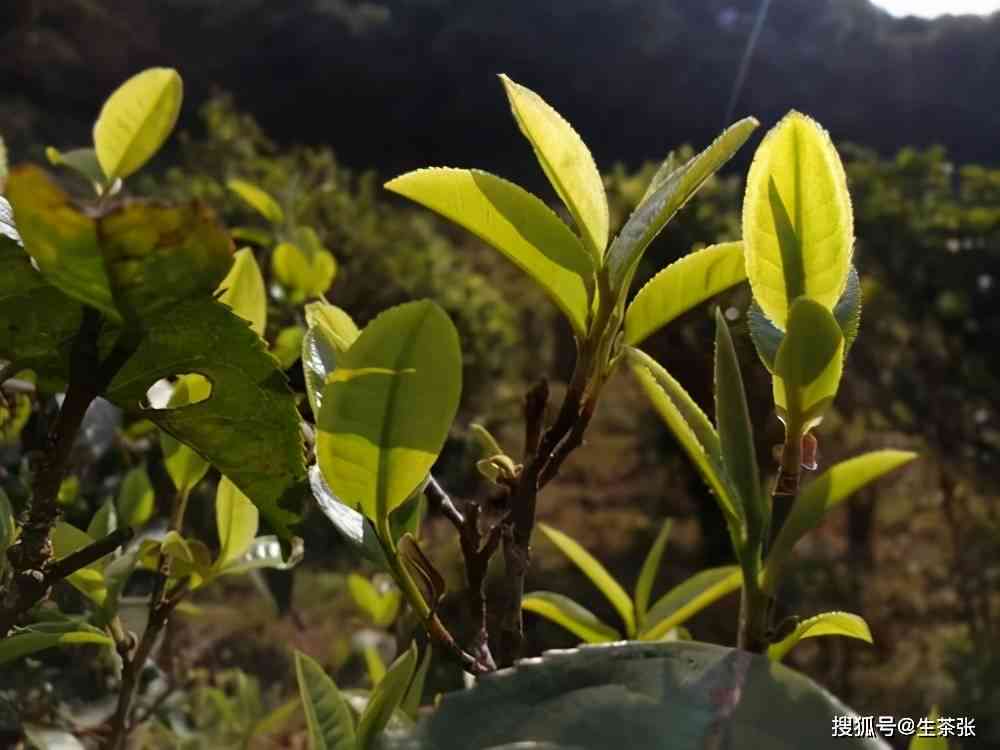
point(394, 84)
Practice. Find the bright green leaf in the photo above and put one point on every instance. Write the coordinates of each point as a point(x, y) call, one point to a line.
point(566, 161)
point(689, 426)
point(650, 569)
point(380, 607)
point(809, 362)
point(654, 212)
point(288, 345)
point(688, 598)
point(328, 718)
point(244, 292)
point(105, 521)
point(681, 286)
point(338, 327)
point(410, 704)
point(388, 408)
point(252, 235)
point(828, 623)
point(136, 120)
point(236, 519)
point(89, 580)
point(732, 416)
point(596, 572)
point(185, 467)
point(798, 228)
point(827, 490)
point(304, 274)
point(386, 697)
point(517, 224)
point(135, 502)
point(83, 161)
point(374, 664)
point(258, 199)
point(568, 614)
point(28, 641)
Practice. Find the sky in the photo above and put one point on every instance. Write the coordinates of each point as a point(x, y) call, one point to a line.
point(931, 8)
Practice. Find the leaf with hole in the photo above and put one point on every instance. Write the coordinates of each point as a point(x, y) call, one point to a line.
point(517, 224)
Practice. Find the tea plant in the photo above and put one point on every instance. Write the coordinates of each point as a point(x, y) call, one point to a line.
point(108, 299)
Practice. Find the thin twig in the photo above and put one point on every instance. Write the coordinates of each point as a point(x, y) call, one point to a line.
point(439, 500)
point(91, 553)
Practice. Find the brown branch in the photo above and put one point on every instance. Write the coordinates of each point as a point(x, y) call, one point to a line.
point(91, 553)
point(440, 501)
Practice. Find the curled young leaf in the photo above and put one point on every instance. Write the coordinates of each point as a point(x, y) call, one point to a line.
point(828, 623)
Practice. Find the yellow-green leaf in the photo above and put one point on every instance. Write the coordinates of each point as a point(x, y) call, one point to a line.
point(689, 425)
point(650, 569)
point(28, 641)
point(798, 227)
point(812, 503)
point(236, 519)
point(243, 290)
point(388, 408)
point(336, 324)
point(135, 498)
point(304, 275)
point(935, 741)
point(331, 333)
point(136, 120)
point(688, 598)
point(89, 580)
point(566, 613)
point(386, 697)
point(736, 438)
point(681, 286)
point(566, 161)
point(83, 161)
point(596, 572)
point(517, 224)
point(61, 239)
point(258, 199)
point(328, 718)
point(659, 207)
point(185, 467)
point(828, 623)
point(382, 607)
point(809, 363)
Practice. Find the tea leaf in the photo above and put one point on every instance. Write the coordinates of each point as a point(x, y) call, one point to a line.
point(136, 120)
point(517, 224)
point(258, 199)
point(688, 598)
point(567, 613)
point(387, 411)
point(650, 569)
point(596, 572)
point(328, 718)
point(135, 498)
point(236, 519)
point(243, 290)
point(828, 623)
point(798, 228)
point(566, 161)
point(386, 697)
point(827, 490)
point(24, 642)
point(809, 362)
point(650, 216)
point(681, 286)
